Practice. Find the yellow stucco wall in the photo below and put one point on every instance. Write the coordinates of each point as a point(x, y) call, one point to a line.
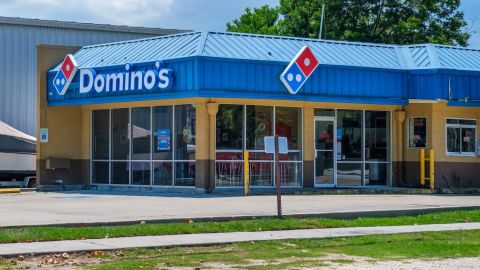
point(64, 123)
point(436, 114)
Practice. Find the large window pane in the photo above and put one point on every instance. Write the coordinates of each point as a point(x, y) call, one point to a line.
point(453, 139)
point(100, 134)
point(185, 132)
point(229, 173)
point(162, 173)
point(100, 172)
point(140, 173)
point(185, 173)
point(376, 174)
point(120, 173)
point(141, 133)
point(349, 135)
point(259, 125)
point(162, 133)
point(120, 136)
point(377, 135)
point(230, 127)
point(261, 173)
point(288, 123)
point(290, 173)
point(349, 174)
point(468, 140)
point(417, 132)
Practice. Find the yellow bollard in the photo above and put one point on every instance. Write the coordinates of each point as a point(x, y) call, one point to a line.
point(422, 167)
point(432, 170)
point(246, 173)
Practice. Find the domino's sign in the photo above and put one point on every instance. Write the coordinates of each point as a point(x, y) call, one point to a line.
point(118, 79)
point(299, 70)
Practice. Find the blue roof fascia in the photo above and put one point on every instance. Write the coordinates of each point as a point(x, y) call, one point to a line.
point(456, 103)
point(206, 93)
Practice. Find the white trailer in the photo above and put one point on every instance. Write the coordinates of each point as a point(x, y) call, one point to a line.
point(17, 158)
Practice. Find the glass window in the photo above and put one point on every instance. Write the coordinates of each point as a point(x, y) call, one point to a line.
point(453, 139)
point(162, 173)
point(349, 135)
point(162, 132)
point(461, 136)
point(261, 173)
point(120, 173)
point(140, 133)
point(230, 127)
point(259, 124)
point(185, 173)
point(324, 112)
point(100, 134)
point(100, 172)
point(417, 132)
point(376, 174)
point(288, 123)
point(349, 174)
point(468, 140)
point(377, 135)
point(120, 136)
point(184, 132)
point(140, 173)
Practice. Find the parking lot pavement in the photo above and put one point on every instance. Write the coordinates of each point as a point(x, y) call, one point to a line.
point(37, 208)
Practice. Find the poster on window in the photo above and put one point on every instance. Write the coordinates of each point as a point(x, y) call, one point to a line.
point(163, 139)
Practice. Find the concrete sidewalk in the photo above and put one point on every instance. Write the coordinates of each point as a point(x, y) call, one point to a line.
point(217, 238)
point(87, 207)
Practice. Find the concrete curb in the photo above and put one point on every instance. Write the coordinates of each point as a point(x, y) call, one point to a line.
point(14, 249)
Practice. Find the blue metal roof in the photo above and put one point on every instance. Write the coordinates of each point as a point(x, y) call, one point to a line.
point(281, 49)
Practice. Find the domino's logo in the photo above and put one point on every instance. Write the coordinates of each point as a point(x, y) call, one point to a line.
point(299, 70)
point(65, 75)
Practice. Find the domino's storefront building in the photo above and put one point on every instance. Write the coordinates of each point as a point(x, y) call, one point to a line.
point(177, 113)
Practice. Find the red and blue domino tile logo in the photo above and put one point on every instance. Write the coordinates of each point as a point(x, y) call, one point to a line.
point(299, 70)
point(65, 75)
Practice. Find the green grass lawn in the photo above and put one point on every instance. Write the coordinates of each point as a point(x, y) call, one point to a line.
point(301, 253)
point(27, 234)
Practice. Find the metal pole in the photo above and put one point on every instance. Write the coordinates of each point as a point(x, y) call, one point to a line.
point(277, 180)
point(432, 169)
point(246, 173)
point(422, 167)
point(321, 22)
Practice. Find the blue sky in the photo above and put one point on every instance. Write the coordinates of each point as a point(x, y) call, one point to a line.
point(181, 14)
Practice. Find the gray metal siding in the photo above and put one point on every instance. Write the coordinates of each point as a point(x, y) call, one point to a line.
point(18, 65)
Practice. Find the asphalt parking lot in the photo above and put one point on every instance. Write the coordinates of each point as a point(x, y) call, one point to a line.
point(39, 208)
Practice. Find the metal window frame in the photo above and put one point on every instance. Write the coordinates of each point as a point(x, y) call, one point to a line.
point(244, 145)
point(364, 162)
point(461, 126)
point(426, 132)
point(173, 161)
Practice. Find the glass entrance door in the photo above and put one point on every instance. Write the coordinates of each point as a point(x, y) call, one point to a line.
point(324, 152)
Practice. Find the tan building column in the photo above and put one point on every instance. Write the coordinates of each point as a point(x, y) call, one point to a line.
point(212, 113)
point(308, 147)
point(202, 147)
point(397, 176)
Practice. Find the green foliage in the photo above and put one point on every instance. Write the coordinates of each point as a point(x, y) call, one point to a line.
point(301, 253)
point(27, 234)
point(262, 20)
point(379, 21)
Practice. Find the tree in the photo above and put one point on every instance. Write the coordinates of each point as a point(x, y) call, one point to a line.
point(379, 21)
point(262, 20)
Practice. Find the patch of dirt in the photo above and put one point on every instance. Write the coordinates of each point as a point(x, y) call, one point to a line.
point(64, 261)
